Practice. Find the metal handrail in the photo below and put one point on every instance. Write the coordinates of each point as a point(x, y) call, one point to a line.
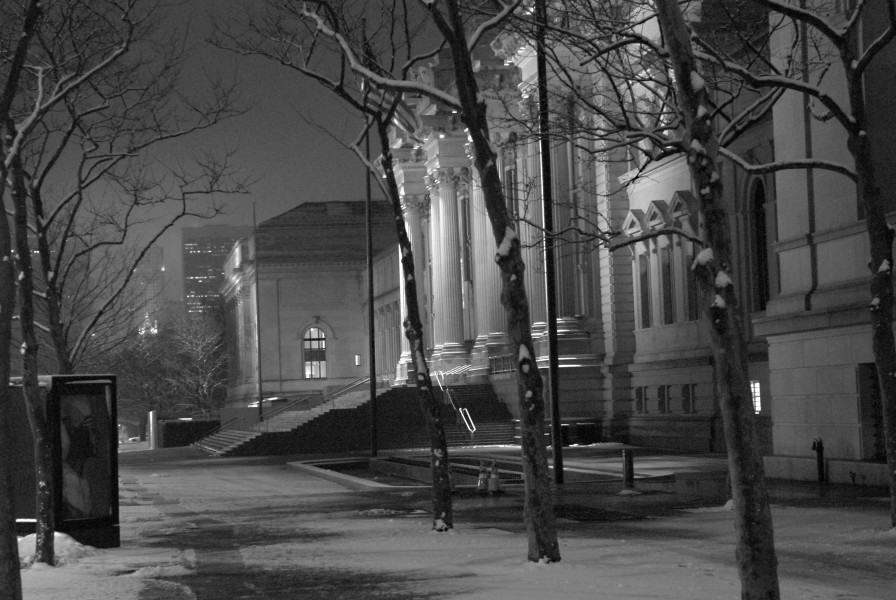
point(250, 423)
point(464, 412)
point(468, 420)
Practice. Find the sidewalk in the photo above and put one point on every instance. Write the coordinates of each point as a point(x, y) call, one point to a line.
point(200, 527)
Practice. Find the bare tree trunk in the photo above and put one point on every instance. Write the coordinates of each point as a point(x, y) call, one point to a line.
point(43, 460)
point(539, 510)
point(10, 576)
point(881, 241)
point(755, 550)
point(442, 512)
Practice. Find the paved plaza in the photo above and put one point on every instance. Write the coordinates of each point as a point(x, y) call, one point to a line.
point(197, 527)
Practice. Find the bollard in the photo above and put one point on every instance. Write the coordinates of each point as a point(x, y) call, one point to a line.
point(494, 481)
point(482, 482)
point(628, 469)
point(818, 446)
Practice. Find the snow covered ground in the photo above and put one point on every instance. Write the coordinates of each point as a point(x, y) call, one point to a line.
point(235, 530)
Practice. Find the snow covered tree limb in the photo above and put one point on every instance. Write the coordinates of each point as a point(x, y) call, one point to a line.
point(785, 165)
point(881, 42)
point(804, 15)
point(662, 231)
point(507, 9)
point(374, 78)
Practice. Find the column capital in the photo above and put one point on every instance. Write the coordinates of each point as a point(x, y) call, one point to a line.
point(418, 203)
point(441, 176)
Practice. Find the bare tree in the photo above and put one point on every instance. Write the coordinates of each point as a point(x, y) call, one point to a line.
point(378, 34)
point(828, 49)
point(756, 557)
point(539, 516)
point(196, 362)
point(97, 183)
point(24, 24)
point(539, 513)
point(638, 90)
point(81, 99)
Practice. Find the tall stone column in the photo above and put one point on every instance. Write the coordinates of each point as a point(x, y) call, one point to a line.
point(446, 165)
point(449, 301)
point(491, 321)
point(617, 305)
point(531, 238)
point(437, 264)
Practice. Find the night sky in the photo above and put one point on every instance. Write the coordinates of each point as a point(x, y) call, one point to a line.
point(289, 160)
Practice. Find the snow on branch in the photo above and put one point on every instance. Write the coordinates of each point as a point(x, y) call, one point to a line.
point(806, 163)
point(630, 241)
point(374, 78)
point(506, 9)
point(781, 81)
point(803, 15)
point(882, 40)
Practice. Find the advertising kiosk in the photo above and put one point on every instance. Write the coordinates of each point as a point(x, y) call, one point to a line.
point(81, 414)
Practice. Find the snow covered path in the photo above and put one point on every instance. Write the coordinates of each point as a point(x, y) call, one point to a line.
point(197, 527)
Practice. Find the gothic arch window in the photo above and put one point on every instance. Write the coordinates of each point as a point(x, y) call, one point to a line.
point(759, 245)
point(314, 353)
point(644, 291)
point(683, 211)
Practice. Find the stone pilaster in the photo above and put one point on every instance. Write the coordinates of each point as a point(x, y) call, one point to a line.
point(491, 320)
point(449, 317)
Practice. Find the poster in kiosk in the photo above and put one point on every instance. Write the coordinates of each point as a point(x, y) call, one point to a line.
point(83, 436)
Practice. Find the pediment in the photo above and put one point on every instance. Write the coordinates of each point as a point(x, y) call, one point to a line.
point(658, 215)
point(635, 223)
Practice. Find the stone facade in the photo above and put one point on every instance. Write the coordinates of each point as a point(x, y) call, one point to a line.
point(310, 266)
point(633, 350)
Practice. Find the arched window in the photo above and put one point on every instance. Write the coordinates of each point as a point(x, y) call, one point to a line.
point(314, 353)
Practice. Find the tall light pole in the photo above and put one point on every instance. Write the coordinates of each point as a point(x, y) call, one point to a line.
point(257, 320)
point(541, 20)
point(371, 349)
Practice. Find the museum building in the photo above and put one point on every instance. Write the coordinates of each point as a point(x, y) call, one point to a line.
point(633, 348)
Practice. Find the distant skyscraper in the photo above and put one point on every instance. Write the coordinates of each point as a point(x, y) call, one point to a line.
point(149, 276)
point(205, 249)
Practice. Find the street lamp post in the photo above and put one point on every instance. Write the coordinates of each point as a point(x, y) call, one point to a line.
point(371, 332)
point(548, 221)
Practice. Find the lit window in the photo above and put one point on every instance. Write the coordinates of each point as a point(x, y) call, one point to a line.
point(314, 350)
point(757, 396)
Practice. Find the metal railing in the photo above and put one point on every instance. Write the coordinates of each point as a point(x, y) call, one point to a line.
point(462, 411)
point(301, 403)
point(502, 363)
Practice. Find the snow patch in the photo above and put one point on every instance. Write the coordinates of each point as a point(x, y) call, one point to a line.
point(722, 280)
point(703, 258)
point(884, 266)
point(697, 82)
point(67, 551)
point(509, 236)
point(718, 302)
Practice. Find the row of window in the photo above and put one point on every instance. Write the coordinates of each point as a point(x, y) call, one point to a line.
point(685, 403)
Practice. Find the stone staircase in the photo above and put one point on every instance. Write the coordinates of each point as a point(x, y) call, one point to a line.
point(229, 442)
point(343, 425)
